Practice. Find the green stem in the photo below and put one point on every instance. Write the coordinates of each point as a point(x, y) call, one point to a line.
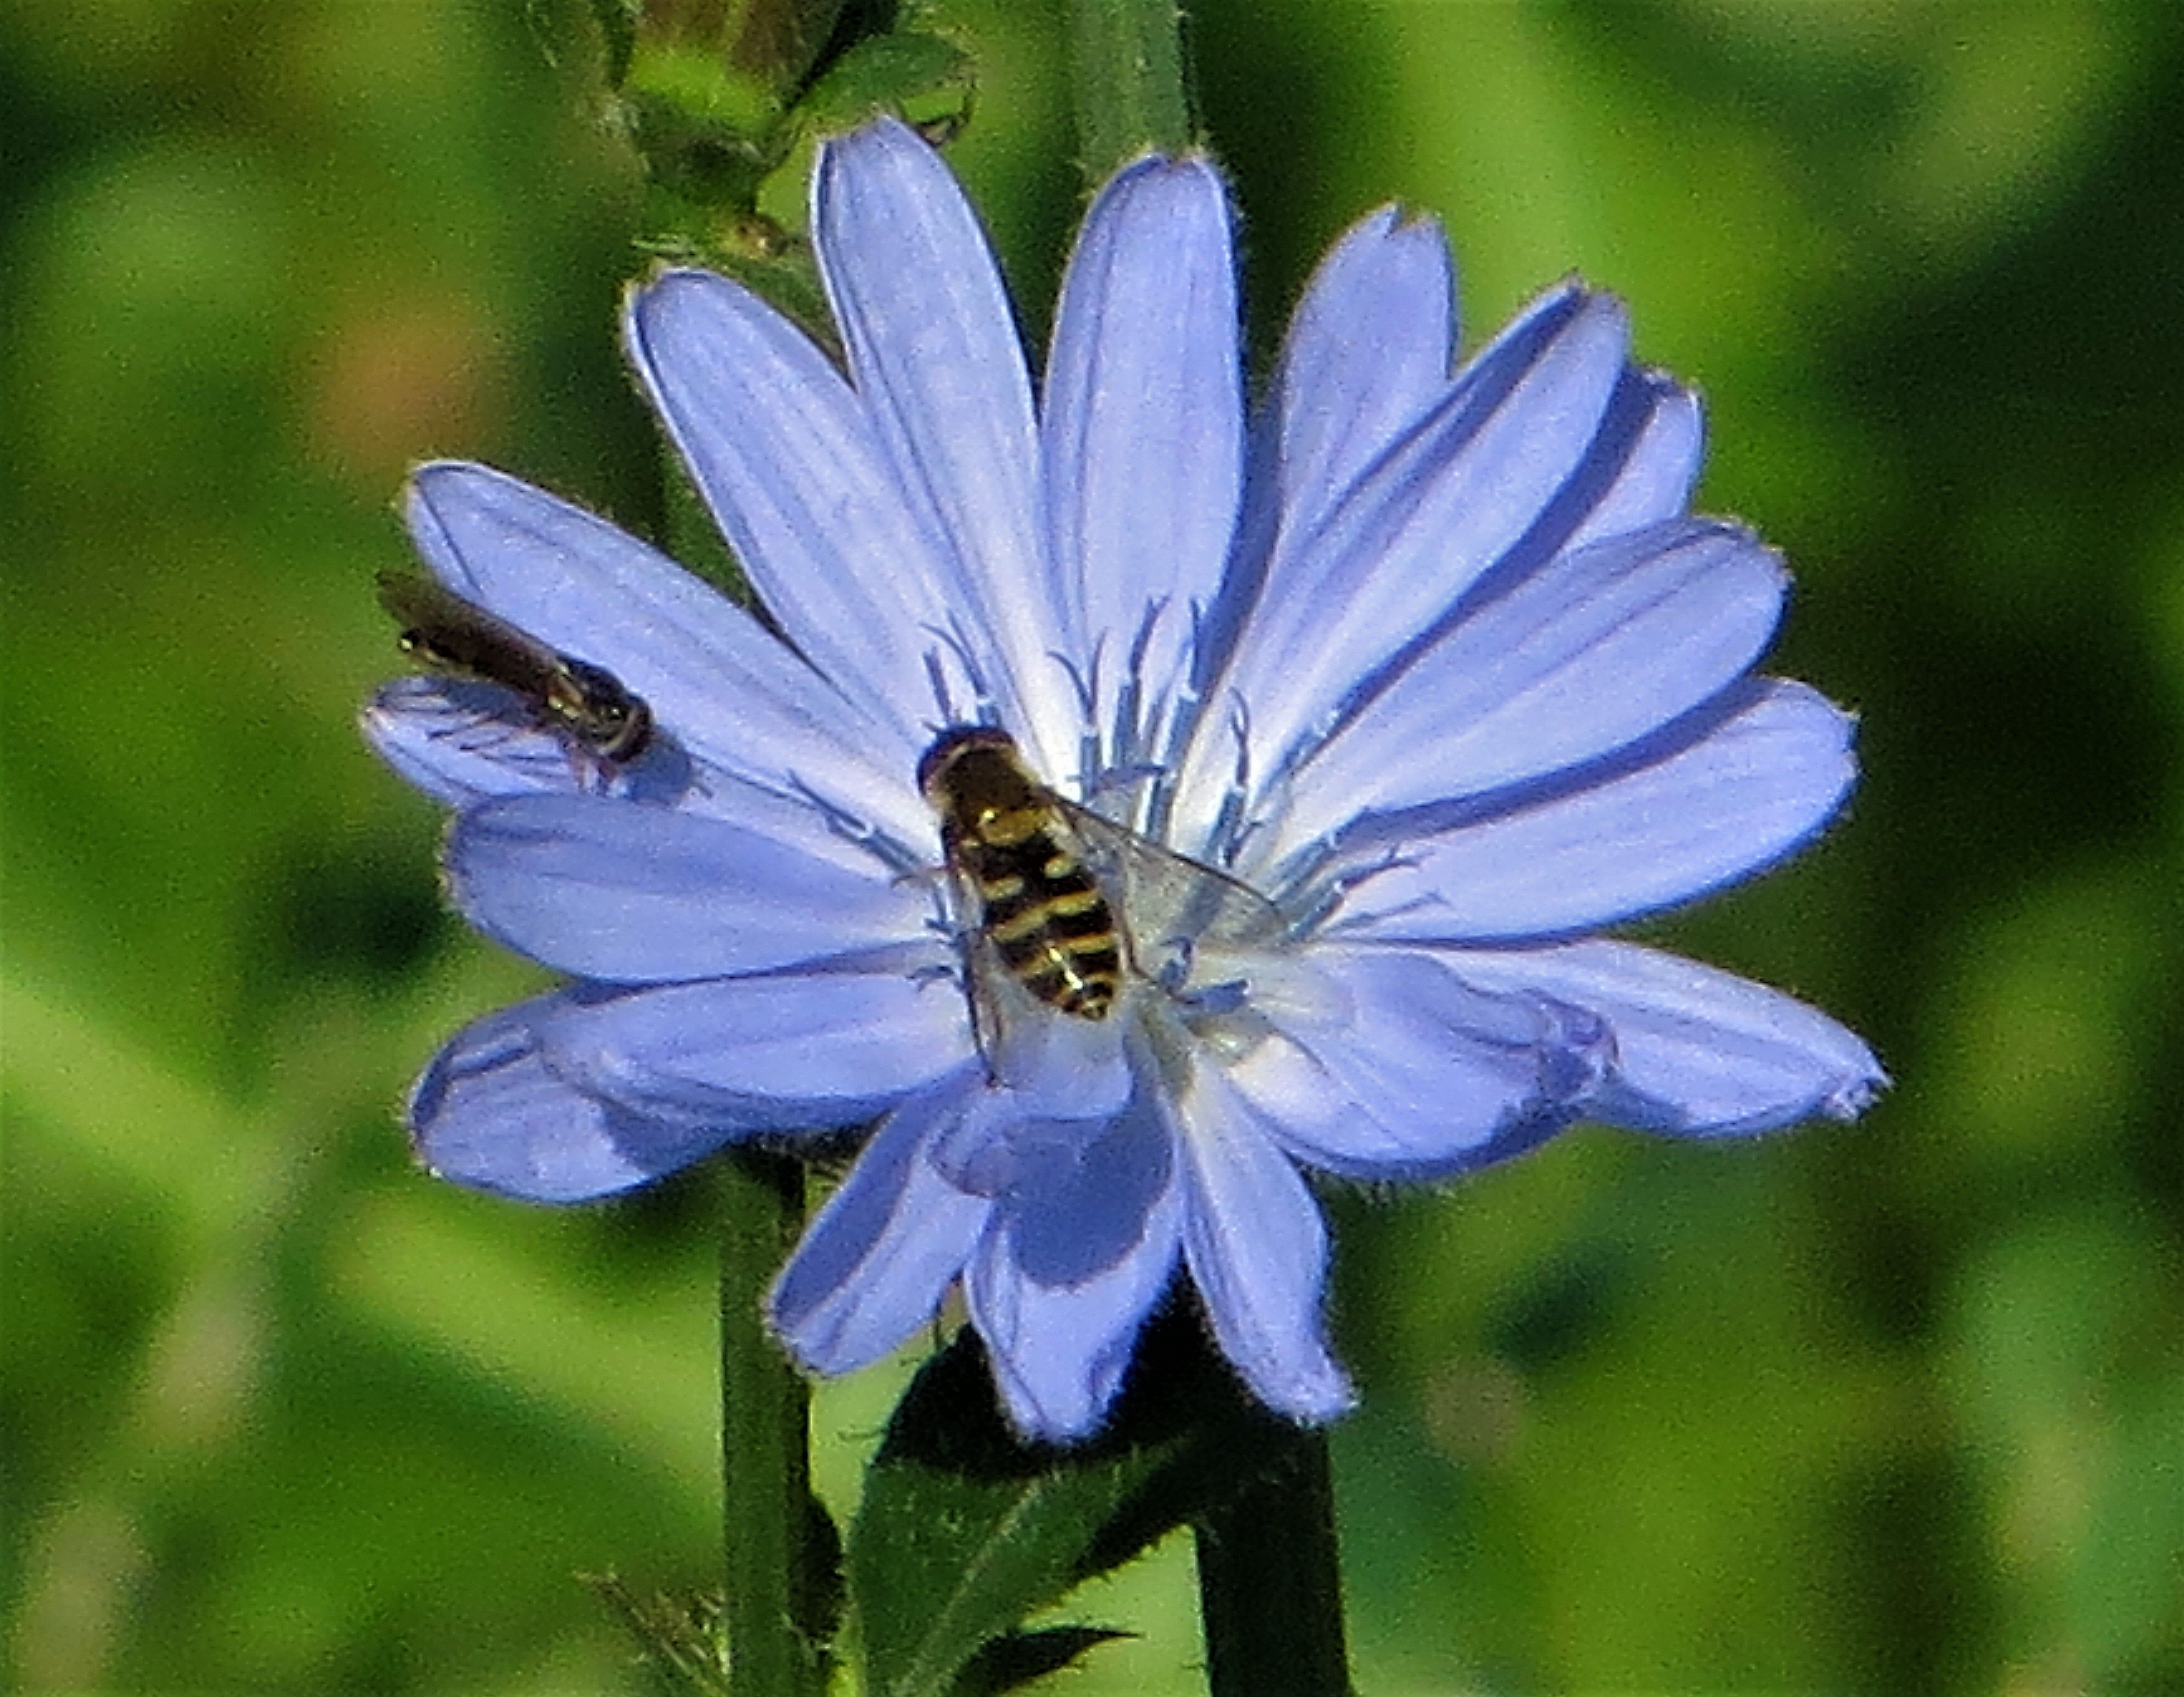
point(1270, 1584)
point(1132, 81)
point(777, 1578)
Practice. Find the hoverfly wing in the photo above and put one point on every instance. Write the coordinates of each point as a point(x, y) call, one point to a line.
point(1021, 880)
point(452, 635)
point(584, 702)
point(451, 736)
point(412, 600)
point(1007, 1017)
point(998, 1002)
point(1168, 901)
point(1022, 1042)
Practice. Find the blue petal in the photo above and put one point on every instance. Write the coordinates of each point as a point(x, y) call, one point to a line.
point(783, 1052)
point(727, 690)
point(1656, 827)
point(605, 889)
point(465, 742)
point(1142, 426)
point(1082, 1208)
point(1390, 1066)
point(490, 1112)
point(1368, 351)
point(876, 1263)
point(1257, 1251)
point(1056, 1066)
point(1655, 480)
point(1600, 648)
point(1428, 519)
point(1055, 1081)
point(1066, 1276)
point(933, 354)
point(1008, 1142)
point(456, 741)
point(1699, 1053)
point(788, 460)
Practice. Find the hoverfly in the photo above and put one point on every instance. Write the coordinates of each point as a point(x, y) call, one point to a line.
point(1007, 840)
point(585, 703)
point(1065, 905)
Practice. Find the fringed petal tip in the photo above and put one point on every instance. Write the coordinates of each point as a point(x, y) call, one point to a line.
point(1849, 1100)
point(1697, 1052)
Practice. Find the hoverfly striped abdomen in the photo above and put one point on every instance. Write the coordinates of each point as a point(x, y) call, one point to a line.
point(1009, 842)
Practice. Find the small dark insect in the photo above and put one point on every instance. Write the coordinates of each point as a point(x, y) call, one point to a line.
point(1012, 845)
point(587, 703)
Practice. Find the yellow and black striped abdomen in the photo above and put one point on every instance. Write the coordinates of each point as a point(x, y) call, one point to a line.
point(1047, 921)
point(1041, 911)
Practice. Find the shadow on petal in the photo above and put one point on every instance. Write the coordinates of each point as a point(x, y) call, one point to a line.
point(490, 1114)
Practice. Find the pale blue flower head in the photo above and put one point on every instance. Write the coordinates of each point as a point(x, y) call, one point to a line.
point(1433, 663)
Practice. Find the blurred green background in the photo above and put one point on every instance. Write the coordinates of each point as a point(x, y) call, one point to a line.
point(1894, 1407)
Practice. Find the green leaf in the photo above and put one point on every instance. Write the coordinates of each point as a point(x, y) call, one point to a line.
point(616, 20)
point(683, 1638)
point(902, 71)
point(966, 1529)
point(732, 63)
point(1014, 1660)
point(1131, 81)
point(782, 40)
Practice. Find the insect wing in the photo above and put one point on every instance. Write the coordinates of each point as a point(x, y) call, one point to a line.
point(450, 634)
point(1027, 1043)
point(450, 736)
point(1167, 908)
point(1005, 1015)
point(998, 1004)
point(1168, 903)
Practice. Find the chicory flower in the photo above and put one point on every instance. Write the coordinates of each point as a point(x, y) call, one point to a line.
point(1369, 704)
